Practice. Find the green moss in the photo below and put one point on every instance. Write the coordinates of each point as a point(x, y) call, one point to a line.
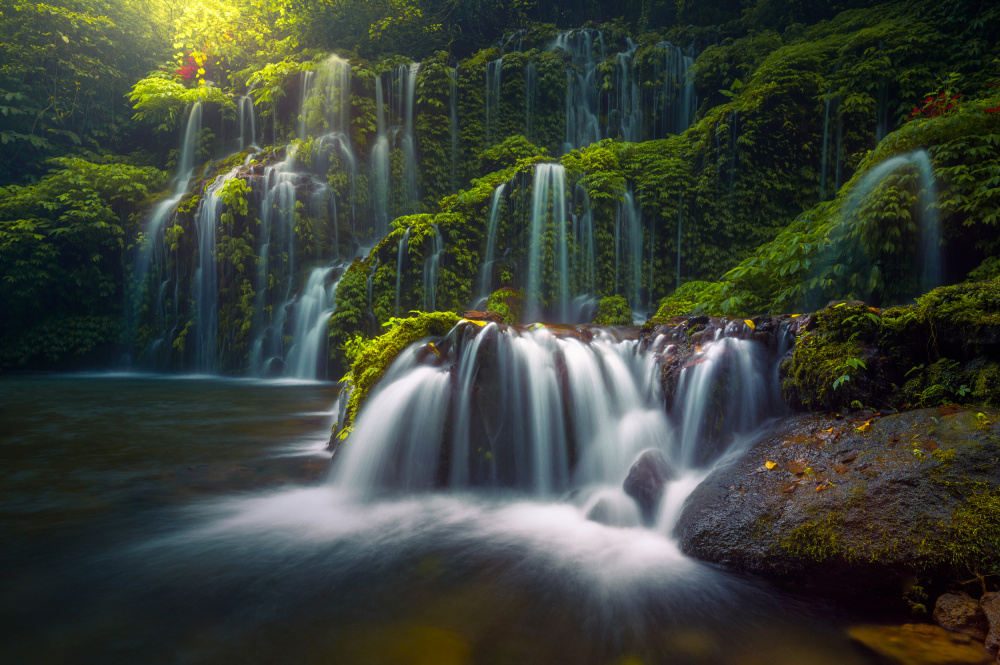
point(819, 540)
point(613, 311)
point(829, 368)
point(508, 303)
point(373, 357)
point(970, 540)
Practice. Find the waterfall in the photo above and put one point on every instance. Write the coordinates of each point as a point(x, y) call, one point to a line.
point(152, 258)
point(624, 109)
point(486, 272)
point(400, 266)
point(582, 103)
point(549, 190)
point(493, 69)
point(205, 290)
point(409, 142)
point(547, 413)
point(530, 81)
point(676, 102)
point(431, 265)
point(247, 120)
point(628, 250)
point(928, 255)
point(275, 238)
point(395, 117)
point(453, 98)
point(306, 358)
point(680, 225)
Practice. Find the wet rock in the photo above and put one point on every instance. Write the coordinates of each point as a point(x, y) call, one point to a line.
point(860, 529)
point(960, 613)
point(645, 481)
point(920, 644)
point(472, 315)
point(606, 510)
point(990, 604)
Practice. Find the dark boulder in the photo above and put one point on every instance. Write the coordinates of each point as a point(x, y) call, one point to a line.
point(645, 481)
point(857, 507)
point(960, 613)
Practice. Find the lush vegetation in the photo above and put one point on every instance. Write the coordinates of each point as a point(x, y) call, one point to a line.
point(764, 203)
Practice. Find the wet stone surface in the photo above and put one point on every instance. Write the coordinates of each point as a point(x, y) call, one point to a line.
point(850, 506)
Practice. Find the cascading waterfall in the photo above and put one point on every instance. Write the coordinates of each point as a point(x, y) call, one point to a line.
point(929, 260)
point(453, 100)
point(628, 251)
point(247, 120)
point(486, 272)
point(152, 259)
point(276, 238)
point(624, 109)
point(582, 122)
point(401, 261)
point(306, 358)
point(530, 81)
point(548, 206)
point(431, 266)
point(547, 413)
point(395, 109)
point(492, 99)
point(675, 104)
point(205, 290)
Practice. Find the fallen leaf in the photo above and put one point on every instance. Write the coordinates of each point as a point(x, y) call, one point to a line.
point(749, 324)
point(865, 425)
point(798, 467)
point(929, 445)
point(809, 472)
point(827, 430)
point(791, 488)
point(840, 468)
point(849, 457)
point(770, 465)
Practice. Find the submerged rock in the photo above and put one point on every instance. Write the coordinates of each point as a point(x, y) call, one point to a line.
point(855, 507)
point(920, 644)
point(960, 613)
point(645, 481)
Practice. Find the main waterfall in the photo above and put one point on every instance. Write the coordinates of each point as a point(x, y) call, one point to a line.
point(559, 412)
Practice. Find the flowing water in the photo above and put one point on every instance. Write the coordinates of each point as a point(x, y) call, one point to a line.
point(153, 519)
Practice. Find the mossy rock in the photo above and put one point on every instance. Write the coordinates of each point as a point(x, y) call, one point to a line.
point(508, 303)
point(862, 508)
point(613, 311)
point(373, 357)
point(836, 362)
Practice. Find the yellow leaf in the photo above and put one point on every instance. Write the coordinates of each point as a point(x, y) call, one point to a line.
point(478, 323)
point(828, 430)
point(770, 465)
point(795, 316)
point(749, 324)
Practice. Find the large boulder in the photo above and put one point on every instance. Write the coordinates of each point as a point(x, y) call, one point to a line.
point(961, 613)
point(645, 481)
point(885, 508)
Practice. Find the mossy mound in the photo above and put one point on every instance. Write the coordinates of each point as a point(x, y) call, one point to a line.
point(891, 510)
point(613, 311)
point(943, 349)
point(508, 303)
point(372, 357)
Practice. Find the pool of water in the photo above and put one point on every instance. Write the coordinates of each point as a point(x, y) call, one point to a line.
point(190, 520)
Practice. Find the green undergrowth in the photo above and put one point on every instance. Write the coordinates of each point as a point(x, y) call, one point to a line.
point(613, 311)
point(370, 358)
